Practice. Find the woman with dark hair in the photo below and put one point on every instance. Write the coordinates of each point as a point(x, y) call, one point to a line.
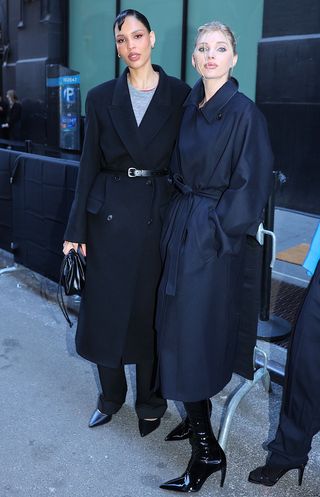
point(4, 107)
point(131, 128)
point(222, 172)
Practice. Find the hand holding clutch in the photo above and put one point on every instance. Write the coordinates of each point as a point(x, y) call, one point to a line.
point(72, 278)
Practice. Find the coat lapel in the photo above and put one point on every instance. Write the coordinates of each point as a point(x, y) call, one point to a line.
point(213, 110)
point(124, 120)
point(160, 108)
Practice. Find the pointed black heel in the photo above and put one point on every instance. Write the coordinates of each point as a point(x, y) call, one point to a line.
point(196, 474)
point(301, 472)
point(269, 475)
point(183, 430)
point(147, 426)
point(98, 418)
point(223, 472)
point(207, 456)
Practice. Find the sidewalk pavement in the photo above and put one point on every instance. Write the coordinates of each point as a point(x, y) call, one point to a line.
point(291, 229)
point(48, 393)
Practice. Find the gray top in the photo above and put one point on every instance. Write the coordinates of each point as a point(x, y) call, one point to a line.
point(140, 100)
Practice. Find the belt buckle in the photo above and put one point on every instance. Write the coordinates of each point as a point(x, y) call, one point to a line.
point(133, 172)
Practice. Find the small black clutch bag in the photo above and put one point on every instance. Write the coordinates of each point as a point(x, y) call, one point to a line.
point(72, 278)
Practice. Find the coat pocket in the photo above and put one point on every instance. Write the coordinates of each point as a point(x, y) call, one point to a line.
point(204, 232)
point(97, 194)
point(94, 205)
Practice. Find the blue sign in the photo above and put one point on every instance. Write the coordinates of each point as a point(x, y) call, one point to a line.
point(69, 94)
point(64, 80)
point(68, 122)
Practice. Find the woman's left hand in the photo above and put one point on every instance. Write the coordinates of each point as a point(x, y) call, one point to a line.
point(67, 246)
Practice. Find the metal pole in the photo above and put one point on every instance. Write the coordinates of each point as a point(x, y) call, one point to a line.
point(184, 39)
point(116, 58)
point(267, 254)
point(234, 400)
point(28, 146)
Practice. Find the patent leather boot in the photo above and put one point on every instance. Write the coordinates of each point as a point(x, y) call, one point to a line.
point(183, 430)
point(207, 455)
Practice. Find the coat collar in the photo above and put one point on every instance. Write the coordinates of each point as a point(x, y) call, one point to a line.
point(213, 109)
point(162, 93)
point(136, 138)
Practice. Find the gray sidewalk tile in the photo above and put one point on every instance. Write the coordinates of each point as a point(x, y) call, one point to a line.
point(47, 394)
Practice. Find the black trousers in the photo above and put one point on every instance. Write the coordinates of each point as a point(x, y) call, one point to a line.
point(114, 389)
point(300, 412)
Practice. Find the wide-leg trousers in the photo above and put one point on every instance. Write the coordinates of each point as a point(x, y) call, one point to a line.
point(113, 382)
point(300, 412)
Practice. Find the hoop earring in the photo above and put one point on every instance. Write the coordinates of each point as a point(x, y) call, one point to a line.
point(119, 56)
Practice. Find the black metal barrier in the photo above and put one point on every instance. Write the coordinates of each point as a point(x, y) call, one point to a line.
point(36, 194)
point(267, 254)
point(7, 160)
point(39, 192)
point(41, 149)
point(271, 327)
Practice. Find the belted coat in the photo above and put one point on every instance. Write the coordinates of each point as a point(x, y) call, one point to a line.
point(222, 172)
point(119, 218)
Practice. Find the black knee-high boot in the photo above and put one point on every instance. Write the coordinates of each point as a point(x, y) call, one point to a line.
point(207, 455)
point(183, 430)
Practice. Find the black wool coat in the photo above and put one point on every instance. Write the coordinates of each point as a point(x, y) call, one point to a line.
point(14, 121)
point(222, 171)
point(119, 218)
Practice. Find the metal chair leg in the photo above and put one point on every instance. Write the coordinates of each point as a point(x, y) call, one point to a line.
point(9, 269)
point(261, 374)
point(266, 380)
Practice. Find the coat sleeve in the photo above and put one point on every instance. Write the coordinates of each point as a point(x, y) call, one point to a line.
point(89, 168)
point(239, 211)
point(14, 114)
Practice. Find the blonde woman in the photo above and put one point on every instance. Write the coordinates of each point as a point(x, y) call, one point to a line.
point(222, 172)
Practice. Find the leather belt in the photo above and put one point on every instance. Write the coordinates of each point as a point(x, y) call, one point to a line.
point(132, 172)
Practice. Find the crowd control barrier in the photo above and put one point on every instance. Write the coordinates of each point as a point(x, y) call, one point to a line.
point(36, 194)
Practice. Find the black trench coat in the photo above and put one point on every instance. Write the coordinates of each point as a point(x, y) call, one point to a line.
point(119, 218)
point(222, 170)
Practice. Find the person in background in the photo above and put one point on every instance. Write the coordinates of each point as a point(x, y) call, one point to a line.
point(300, 410)
point(14, 115)
point(122, 189)
point(222, 173)
point(4, 106)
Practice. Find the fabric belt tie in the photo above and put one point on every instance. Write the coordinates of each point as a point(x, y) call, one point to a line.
point(175, 234)
point(132, 172)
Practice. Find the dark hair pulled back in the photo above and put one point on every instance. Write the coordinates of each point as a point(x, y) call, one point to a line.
point(119, 20)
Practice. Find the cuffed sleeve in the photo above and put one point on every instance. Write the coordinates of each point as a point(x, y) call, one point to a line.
point(240, 208)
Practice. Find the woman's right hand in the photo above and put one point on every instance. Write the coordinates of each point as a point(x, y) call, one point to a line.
point(67, 246)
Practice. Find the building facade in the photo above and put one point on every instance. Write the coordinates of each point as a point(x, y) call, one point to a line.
point(278, 66)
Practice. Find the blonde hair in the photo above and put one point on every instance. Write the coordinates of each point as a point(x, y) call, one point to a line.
point(218, 26)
